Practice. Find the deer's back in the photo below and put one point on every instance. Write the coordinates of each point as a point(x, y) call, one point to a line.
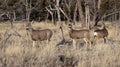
point(41, 34)
point(49, 33)
point(78, 34)
point(102, 33)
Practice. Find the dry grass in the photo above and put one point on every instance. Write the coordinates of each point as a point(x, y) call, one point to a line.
point(19, 53)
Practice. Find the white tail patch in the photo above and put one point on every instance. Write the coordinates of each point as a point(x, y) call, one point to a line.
point(95, 33)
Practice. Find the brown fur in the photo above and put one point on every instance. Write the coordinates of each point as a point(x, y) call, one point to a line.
point(101, 33)
point(39, 35)
point(80, 34)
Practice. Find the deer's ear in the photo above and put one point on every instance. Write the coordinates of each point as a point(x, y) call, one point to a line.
point(60, 27)
point(28, 24)
point(69, 25)
point(90, 27)
point(32, 22)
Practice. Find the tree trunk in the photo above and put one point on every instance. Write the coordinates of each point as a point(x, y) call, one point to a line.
point(87, 15)
point(68, 10)
point(51, 13)
point(75, 14)
point(28, 10)
point(97, 16)
point(99, 3)
point(10, 15)
point(94, 11)
point(58, 12)
point(14, 16)
point(82, 18)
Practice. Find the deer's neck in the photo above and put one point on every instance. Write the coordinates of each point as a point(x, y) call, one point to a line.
point(31, 31)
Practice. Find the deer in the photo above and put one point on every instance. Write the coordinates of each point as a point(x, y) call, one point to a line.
point(100, 32)
point(84, 34)
point(39, 35)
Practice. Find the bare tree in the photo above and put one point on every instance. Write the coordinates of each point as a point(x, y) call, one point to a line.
point(82, 18)
point(96, 7)
point(51, 13)
point(68, 4)
point(99, 3)
point(75, 13)
point(58, 11)
point(27, 4)
point(87, 15)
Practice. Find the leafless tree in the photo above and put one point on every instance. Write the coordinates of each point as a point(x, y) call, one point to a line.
point(82, 18)
point(27, 4)
point(58, 11)
point(51, 13)
point(75, 13)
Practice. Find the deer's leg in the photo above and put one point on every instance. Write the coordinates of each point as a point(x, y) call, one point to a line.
point(48, 42)
point(37, 44)
point(74, 44)
point(34, 43)
point(90, 44)
point(96, 40)
point(86, 42)
point(104, 40)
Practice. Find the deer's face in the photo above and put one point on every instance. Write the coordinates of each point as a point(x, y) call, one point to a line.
point(27, 28)
point(69, 27)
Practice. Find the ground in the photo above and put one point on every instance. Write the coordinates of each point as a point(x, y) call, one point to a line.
point(17, 51)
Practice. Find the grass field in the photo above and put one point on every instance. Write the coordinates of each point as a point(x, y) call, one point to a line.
point(18, 52)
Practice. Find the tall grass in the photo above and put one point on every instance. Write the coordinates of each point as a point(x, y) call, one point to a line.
point(19, 53)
